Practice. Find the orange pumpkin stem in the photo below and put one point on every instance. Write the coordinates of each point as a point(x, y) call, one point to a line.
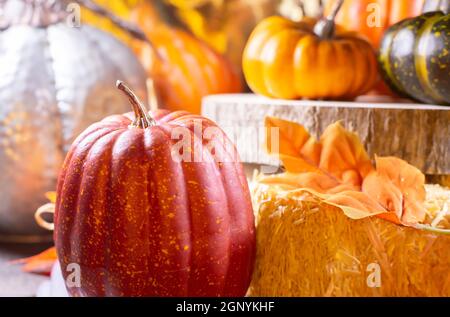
point(143, 120)
point(326, 26)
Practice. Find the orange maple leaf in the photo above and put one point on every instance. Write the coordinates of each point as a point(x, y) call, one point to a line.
point(399, 188)
point(337, 170)
point(41, 263)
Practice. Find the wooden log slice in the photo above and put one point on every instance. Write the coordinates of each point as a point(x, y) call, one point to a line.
point(419, 134)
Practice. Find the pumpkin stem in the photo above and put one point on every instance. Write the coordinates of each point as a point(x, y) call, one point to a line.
point(325, 28)
point(301, 5)
point(130, 28)
point(142, 120)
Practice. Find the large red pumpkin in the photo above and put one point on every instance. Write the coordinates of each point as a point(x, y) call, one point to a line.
point(140, 223)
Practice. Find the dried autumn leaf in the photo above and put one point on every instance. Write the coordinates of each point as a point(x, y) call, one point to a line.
point(342, 174)
point(387, 195)
point(51, 196)
point(298, 151)
point(339, 153)
point(319, 183)
point(355, 204)
point(343, 155)
point(39, 264)
point(399, 188)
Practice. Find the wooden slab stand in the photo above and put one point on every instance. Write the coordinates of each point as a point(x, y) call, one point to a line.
point(420, 134)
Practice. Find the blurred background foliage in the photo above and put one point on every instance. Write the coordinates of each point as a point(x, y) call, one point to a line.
point(223, 24)
point(121, 8)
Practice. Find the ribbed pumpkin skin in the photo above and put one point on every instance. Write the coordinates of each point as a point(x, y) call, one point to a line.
point(415, 58)
point(188, 70)
point(141, 224)
point(284, 59)
point(354, 15)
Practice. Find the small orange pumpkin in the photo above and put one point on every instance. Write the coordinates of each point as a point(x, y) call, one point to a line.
point(184, 68)
point(309, 59)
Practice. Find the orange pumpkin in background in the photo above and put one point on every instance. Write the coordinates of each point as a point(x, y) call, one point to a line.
point(355, 15)
point(310, 59)
point(184, 68)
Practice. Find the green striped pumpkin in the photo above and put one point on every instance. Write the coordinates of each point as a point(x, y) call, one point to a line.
point(415, 57)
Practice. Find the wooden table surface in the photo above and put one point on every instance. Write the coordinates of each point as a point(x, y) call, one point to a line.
point(14, 282)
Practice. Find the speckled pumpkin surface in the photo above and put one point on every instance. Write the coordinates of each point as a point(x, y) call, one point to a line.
point(142, 224)
point(415, 59)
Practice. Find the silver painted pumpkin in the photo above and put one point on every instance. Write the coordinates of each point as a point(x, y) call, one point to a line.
point(55, 80)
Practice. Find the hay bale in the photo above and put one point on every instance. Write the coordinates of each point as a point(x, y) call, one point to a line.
point(305, 248)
